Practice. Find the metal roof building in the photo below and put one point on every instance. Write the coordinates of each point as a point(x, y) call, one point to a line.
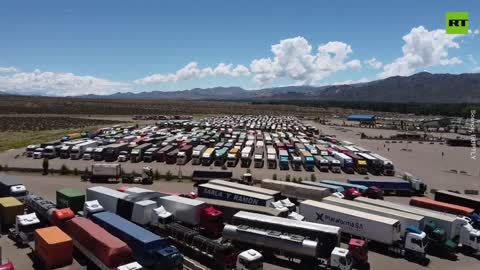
point(361, 117)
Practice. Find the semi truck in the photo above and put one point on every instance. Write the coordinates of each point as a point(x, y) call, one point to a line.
point(229, 209)
point(193, 213)
point(271, 157)
point(185, 154)
point(322, 164)
point(296, 162)
point(232, 157)
point(142, 206)
point(371, 192)
point(290, 246)
point(113, 150)
point(382, 230)
point(137, 153)
point(405, 219)
point(346, 162)
point(214, 255)
point(221, 156)
point(440, 227)
point(162, 153)
point(307, 160)
point(246, 156)
point(374, 165)
point(102, 173)
point(67, 146)
point(359, 162)
point(335, 165)
point(150, 154)
point(395, 186)
point(459, 199)
point(10, 187)
point(78, 150)
point(388, 168)
point(197, 154)
point(149, 249)
point(258, 157)
point(283, 159)
point(453, 209)
point(296, 191)
point(212, 191)
point(172, 156)
point(98, 153)
point(270, 192)
point(208, 156)
point(328, 235)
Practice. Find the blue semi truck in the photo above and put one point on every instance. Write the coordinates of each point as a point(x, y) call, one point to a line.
point(149, 249)
point(396, 186)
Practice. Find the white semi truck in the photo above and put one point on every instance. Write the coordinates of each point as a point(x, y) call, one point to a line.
point(382, 230)
point(197, 154)
point(406, 219)
point(457, 228)
point(78, 150)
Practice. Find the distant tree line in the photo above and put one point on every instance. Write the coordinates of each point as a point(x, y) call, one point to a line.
point(450, 109)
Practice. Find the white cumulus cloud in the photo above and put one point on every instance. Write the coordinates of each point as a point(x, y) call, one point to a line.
point(476, 70)
point(58, 84)
point(294, 59)
point(8, 69)
point(422, 48)
point(373, 63)
point(192, 71)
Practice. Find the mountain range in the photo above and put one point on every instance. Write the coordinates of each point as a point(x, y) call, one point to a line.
point(420, 87)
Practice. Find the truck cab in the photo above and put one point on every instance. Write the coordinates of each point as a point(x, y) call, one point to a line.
point(341, 259)
point(415, 242)
point(38, 153)
point(358, 249)
point(88, 154)
point(249, 260)
point(25, 226)
point(30, 149)
point(296, 163)
point(211, 221)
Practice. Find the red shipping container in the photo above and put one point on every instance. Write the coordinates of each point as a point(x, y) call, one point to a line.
point(441, 206)
point(54, 247)
point(107, 248)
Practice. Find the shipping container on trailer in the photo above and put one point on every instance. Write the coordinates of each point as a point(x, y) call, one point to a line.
point(70, 198)
point(53, 247)
point(459, 199)
point(10, 207)
point(441, 206)
point(296, 191)
point(149, 249)
point(444, 221)
point(230, 194)
point(270, 192)
point(92, 239)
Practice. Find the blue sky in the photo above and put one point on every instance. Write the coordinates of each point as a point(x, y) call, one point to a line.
point(78, 47)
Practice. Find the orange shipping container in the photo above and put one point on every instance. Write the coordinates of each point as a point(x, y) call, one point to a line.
point(54, 247)
point(441, 206)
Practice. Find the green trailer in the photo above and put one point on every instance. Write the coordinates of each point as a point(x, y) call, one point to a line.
point(69, 197)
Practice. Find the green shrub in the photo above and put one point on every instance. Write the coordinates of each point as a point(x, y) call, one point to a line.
point(156, 175)
point(64, 169)
point(274, 176)
point(75, 171)
point(168, 176)
point(313, 177)
point(287, 178)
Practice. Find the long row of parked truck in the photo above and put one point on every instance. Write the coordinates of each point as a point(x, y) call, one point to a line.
point(228, 225)
point(293, 145)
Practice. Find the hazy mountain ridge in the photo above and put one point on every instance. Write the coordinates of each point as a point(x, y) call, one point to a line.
point(420, 87)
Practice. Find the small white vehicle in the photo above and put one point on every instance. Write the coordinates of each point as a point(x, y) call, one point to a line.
point(249, 260)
